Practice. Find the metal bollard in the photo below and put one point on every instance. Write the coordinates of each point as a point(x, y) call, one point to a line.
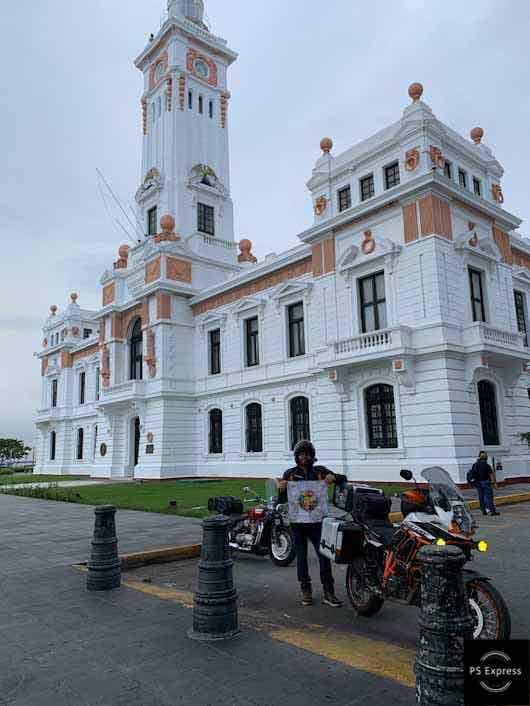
point(445, 622)
point(104, 570)
point(215, 603)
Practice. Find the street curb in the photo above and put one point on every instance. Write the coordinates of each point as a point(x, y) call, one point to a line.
point(160, 556)
point(475, 505)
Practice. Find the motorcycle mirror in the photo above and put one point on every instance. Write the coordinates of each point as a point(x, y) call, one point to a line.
point(246, 489)
point(405, 474)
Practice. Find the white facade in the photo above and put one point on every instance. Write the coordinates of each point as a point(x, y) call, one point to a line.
point(395, 319)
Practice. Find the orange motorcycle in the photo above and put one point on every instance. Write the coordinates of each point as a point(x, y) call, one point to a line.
point(383, 558)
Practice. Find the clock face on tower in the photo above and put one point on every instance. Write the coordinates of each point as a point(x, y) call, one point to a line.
point(201, 68)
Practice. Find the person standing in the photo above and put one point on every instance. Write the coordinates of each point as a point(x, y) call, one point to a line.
point(305, 470)
point(482, 476)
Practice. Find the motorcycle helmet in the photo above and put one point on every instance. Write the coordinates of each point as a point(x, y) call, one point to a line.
point(305, 446)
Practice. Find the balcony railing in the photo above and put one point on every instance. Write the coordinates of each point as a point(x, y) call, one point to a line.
point(481, 334)
point(366, 345)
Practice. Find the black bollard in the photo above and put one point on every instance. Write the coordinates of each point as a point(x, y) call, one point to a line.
point(215, 603)
point(104, 570)
point(445, 622)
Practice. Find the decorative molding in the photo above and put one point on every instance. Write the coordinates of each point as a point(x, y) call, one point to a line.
point(179, 270)
point(412, 159)
point(320, 205)
point(152, 184)
point(152, 270)
point(109, 294)
point(150, 357)
point(191, 60)
point(105, 365)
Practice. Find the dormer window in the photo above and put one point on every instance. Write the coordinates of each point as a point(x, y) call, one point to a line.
point(477, 187)
point(392, 175)
point(344, 198)
point(367, 187)
point(205, 219)
point(462, 178)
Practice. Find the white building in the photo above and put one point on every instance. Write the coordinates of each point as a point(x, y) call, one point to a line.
point(394, 334)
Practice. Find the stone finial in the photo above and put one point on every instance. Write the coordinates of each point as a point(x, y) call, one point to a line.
point(123, 251)
point(123, 255)
point(326, 145)
point(415, 91)
point(167, 223)
point(53, 309)
point(476, 134)
point(245, 254)
point(74, 296)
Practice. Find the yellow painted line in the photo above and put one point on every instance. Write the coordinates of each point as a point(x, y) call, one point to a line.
point(160, 556)
point(166, 593)
point(382, 659)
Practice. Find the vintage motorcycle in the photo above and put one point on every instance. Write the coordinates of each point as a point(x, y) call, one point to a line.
point(383, 558)
point(263, 529)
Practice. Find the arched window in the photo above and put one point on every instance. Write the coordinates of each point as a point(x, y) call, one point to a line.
point(215, 443)
point(254, 432)
point(53, 443)
point(80, 438)
point(488, 413)
point(136, 351)
point(381, 417)
point(299, 409)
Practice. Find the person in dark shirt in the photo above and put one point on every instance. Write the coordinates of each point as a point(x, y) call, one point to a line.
point(483, 476)
point(306, 470)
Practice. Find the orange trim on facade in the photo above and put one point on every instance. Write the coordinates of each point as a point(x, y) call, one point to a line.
point(435, 217)
point(179, 270)
point(102, 329)
point(365, 217)
point(79, 355)
point(328, 248)
point(163, 305)
point(502, 241)
point(152, 270)
point(66, 359)
point(410, 222)
point(317, 260)
point(43, 366)
point(426, 216)
point(520, 259)
point(109, 293)
point(162, 59)
point(282, 274)
point(145, 311)
point(116, 326)
point(193, 54)
point(473, 211)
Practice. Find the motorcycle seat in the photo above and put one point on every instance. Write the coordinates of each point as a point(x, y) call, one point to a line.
point(384, 529)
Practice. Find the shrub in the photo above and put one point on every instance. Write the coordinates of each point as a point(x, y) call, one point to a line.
point(49, 492)
point(6, 471)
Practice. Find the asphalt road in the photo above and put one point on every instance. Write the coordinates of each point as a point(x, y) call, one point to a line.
point(273, 591)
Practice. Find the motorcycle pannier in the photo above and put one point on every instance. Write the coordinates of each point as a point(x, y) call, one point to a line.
point(225, 505)
point(340, 541)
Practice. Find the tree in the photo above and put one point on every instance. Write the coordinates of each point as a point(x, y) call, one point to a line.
point(12, 450)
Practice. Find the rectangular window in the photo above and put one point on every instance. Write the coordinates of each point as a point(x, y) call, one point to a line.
point(98, 373)
point(54, 393)
point(373, 302)
point(215, 352)
point(520, 314)
point(344, 197)
point(151, 221)
point(476, 187)
point(367, 187)
point(252, 341)
point(201, 105)
point(190, 100)
point(87, 332)
point(205, 221)
point(448, 169)
point(477, 296)
point(82, 378)
point(392, 175)
point(462, 178)
point(80, 439)
point(53, 445)
point(210, 109)
point(295, 314)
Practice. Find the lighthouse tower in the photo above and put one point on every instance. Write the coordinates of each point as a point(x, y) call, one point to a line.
point(185, 160)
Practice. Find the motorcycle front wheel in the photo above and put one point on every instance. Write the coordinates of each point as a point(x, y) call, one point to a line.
point(282, 547)
point(491, 618)
point(365, 601)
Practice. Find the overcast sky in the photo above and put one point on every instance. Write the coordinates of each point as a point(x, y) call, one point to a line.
point(307, 68)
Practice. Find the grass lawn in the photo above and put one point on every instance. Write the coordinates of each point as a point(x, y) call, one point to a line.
point(191, 496)
point(30, 478)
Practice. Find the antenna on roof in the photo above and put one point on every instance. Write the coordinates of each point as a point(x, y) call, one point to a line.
point(116, 200)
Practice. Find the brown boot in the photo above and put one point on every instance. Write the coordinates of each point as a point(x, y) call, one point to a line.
point(307, 596)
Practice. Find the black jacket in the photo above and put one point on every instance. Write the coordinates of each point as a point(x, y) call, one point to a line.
point(481, 471)
point(314, 473)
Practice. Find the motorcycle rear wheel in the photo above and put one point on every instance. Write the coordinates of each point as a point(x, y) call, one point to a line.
point(364, 601)
point(491, 618)
point(282, 551)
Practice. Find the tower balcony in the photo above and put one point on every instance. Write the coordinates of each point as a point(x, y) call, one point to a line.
point(384, 343)
point(482, 337)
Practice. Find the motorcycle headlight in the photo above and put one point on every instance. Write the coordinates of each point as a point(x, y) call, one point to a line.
point(482, 545)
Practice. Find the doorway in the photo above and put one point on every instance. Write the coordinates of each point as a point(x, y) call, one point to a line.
point(135, 438)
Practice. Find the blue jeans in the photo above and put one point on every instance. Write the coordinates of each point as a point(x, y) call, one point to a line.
point(303, 532)
point(485, 496)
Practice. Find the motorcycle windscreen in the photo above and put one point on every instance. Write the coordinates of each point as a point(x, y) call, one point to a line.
point(271, 491)
point(446, 495)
